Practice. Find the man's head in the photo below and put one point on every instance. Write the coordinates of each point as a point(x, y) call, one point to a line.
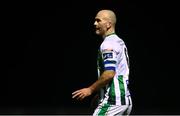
point(105, 22)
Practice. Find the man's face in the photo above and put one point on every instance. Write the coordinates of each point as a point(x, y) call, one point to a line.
point(100, 25)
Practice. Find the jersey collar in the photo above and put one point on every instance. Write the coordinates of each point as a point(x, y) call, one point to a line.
point(110, 34)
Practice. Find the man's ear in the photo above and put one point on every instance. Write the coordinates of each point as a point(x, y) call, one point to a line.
point(108, 24)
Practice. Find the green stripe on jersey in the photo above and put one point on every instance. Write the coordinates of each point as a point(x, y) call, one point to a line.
point(100, 64)
point(122, 90)
point(111, 99)
point(103, 110)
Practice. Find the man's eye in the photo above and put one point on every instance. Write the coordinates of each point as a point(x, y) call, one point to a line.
point(97, 20)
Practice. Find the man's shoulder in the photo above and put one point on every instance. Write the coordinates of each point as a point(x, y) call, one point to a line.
point(110, 45)
point(114, 43)
point(113, 38)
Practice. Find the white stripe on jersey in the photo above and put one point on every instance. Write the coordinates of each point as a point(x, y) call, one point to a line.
point(109, 65)
point(117, 91)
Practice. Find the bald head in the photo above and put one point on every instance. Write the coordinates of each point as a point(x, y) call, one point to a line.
point(108, 15)
point(105, 21)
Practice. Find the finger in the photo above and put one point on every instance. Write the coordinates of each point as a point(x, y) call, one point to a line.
point(80, 97)
point(76, 94)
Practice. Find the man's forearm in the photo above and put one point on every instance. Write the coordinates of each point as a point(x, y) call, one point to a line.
point(104, 79)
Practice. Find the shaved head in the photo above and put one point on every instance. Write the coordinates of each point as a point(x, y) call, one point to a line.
point(108, 15)
point(105, 22)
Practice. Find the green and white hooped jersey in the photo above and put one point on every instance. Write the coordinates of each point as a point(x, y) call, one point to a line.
point(113, 56)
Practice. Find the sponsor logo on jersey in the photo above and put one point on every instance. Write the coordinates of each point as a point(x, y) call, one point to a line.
point(107, 55)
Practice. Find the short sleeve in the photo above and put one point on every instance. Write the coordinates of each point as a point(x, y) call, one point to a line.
point(109, 56)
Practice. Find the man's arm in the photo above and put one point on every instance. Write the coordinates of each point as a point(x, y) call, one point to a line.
point(104, 79)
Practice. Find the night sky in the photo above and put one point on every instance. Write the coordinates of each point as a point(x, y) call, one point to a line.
point(49, 50)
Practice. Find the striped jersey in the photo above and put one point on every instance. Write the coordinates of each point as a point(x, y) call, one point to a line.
point(113, 55)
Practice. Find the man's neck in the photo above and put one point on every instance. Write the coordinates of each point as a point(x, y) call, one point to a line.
point(108, 34)
point(110, 31)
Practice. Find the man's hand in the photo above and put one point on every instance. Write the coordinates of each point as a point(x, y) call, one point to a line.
point(82, 93)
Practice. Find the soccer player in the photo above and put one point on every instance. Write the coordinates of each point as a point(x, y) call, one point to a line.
point(113, 70)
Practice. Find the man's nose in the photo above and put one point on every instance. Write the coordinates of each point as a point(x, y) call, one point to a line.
point(95, 23)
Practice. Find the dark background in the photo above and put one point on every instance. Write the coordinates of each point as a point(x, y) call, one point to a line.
point(49, 51)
